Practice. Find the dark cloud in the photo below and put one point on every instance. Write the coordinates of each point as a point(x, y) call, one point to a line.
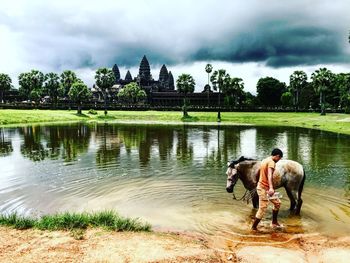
point(56, 35)
point(279, 46)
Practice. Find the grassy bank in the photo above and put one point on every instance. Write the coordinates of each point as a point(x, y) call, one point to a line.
point(72, 221)
point(339, 123)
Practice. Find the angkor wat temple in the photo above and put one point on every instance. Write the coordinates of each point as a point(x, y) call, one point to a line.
point(162, 91)
point(145, 79)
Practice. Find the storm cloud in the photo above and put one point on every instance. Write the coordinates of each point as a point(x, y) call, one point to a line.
point(58, 35)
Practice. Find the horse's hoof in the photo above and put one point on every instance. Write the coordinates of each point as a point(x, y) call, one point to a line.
point(277, 226)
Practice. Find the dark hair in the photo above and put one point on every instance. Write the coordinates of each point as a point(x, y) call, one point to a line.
point(277, 151)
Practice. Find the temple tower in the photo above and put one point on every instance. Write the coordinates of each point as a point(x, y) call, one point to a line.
point(128, 77)
point(144, 72)
point(163, 77)
point(171, 85)
point(116, 72)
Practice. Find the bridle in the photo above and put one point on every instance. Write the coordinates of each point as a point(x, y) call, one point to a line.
point(247, 196)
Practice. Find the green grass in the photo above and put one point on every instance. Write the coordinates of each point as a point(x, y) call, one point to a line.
point(334, 122)
point(74, 221)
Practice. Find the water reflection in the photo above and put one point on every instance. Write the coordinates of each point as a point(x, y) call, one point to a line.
point(179, 170)
point(5, 143)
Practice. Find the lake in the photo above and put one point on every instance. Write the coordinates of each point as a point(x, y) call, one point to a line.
point(171, 176)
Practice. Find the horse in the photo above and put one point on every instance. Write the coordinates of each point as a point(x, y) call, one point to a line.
point(288, 174)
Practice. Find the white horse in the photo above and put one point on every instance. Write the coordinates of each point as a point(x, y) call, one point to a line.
point(288, 173)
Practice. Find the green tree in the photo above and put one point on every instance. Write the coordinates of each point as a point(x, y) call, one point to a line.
point(79, 92)
point(131, 93)
point(249, 100)
point(185, 84)
point(35, 95)
point(5, 85)
point(234, 91)
point(322, 81)
point(67, 79)
point(287, 99)
point(52, 86)
point(297, 82)
point(105, 79)
point(269, 91)
point(31, 84)
point(208, 69)
point(220, 80)
point(343, 85)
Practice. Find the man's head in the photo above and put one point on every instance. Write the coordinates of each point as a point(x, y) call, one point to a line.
point(276, 154)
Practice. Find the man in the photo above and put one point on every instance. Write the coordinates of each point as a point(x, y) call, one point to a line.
point(265, 188)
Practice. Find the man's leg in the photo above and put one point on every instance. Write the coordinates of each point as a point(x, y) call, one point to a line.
point(276, 207)
point(263, 203)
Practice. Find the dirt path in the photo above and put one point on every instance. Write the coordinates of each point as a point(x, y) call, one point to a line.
point(104, 246)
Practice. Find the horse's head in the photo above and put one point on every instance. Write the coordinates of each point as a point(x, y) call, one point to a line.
point(232, 175)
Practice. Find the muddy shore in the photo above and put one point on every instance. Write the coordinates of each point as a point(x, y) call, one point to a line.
point(98, 245)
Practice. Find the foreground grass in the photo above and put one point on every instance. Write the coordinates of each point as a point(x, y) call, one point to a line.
point(75, 221)
point(334, 122)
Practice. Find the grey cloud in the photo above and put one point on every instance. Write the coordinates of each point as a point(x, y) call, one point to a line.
point(280, 46)
point(79, 34)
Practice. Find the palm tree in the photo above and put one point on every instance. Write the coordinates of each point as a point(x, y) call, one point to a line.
point(234, 89)
point(52, 87)
point(208, 69)
point(322, 80)
point(185, 84)
point(5, 85)
point(220, 80)
point(105, 79)
point(78, 93)
point(297, 81)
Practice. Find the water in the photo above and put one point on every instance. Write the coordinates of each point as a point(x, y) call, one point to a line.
point(172, 177)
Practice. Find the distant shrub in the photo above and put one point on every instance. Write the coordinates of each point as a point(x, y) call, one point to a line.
point(92, 112)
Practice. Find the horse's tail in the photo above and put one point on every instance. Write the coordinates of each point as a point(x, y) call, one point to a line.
point(301, 186)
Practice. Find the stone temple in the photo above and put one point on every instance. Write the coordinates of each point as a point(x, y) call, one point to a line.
point(145, 79)
point(159, 92)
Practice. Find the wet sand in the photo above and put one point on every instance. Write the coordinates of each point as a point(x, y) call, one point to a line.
point(99, 245)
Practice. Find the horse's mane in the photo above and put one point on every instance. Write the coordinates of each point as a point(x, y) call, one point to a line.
point(239, 160)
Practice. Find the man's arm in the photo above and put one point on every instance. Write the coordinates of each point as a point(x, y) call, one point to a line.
point(269, 177)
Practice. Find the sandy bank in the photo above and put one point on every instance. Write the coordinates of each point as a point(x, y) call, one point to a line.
point(104, 246)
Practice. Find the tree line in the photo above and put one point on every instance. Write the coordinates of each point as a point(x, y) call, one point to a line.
point(35, 85)
point(323, 90)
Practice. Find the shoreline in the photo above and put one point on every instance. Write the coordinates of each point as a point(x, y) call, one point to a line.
point(337, 123)
point(99, 245)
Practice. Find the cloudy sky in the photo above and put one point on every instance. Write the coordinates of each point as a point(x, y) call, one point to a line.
point(250, 39)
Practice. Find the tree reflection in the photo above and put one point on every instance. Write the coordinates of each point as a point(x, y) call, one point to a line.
point(75, 141)
point(5, 144)
point(32, 146)
point(109, 146)
point(165, 139)
point(53, 142)
point(184, 150)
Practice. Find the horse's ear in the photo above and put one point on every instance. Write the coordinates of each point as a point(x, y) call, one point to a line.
point(241, 159)
point(231, 164)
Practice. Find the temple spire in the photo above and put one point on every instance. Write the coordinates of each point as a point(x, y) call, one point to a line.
point(116, 72)
point(144, 71)
point(163, 74)
point(171, 81)
point(128, 77)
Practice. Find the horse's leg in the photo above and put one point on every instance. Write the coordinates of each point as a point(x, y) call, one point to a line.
point(300, 202)
point(300, 190)
point(292, 197)
point(255, 200)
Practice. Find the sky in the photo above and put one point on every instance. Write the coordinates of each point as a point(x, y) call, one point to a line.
point(251, 39)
